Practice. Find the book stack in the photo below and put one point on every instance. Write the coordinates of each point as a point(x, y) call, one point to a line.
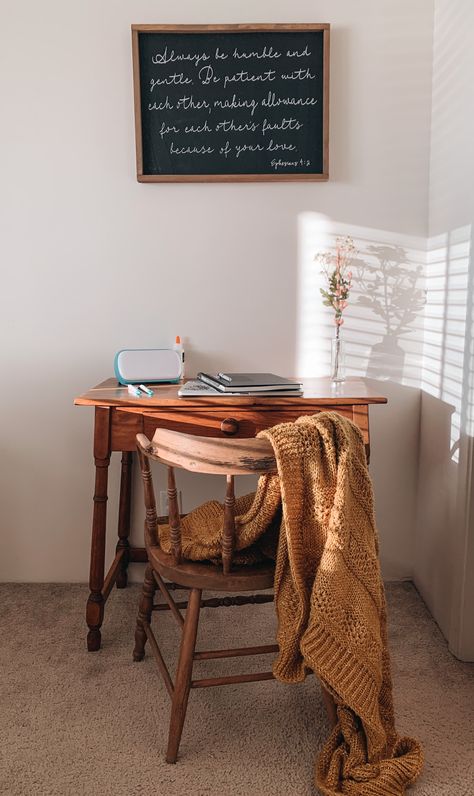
point(246, 384)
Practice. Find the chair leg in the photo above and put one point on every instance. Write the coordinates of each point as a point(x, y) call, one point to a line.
point(183, 675)
point(144, 614)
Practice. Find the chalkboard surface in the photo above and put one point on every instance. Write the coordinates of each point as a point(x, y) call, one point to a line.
point(245, 102)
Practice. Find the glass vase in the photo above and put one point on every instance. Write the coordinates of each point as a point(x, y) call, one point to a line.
point(338, 359)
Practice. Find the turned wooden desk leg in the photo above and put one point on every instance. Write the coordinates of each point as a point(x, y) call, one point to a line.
point(95, 603)
point(124, 517)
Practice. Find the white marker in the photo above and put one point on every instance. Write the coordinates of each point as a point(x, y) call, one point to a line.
point(134, 391)
point(146, 390)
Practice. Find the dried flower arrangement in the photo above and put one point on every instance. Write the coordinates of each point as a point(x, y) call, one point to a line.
point(336, 268)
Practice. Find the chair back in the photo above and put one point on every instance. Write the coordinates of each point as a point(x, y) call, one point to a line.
point(227, 457)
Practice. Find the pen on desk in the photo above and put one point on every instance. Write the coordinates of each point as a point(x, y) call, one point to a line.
point(146, 390)
point(134, 391)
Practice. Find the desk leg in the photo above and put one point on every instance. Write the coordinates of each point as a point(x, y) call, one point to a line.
point(124, 517)
point(95, 603)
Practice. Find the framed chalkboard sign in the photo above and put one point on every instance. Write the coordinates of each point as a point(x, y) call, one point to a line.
point(231, 102)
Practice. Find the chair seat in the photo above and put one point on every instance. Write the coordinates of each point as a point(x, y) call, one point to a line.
point(206, 575)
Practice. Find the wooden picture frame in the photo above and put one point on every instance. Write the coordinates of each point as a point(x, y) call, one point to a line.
point(159, 160)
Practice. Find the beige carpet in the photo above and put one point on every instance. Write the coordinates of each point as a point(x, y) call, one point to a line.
point(78, 723)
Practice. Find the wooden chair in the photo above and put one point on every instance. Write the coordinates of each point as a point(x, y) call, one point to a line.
point(199, 455)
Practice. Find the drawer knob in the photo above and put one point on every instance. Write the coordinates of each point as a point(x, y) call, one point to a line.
point(230, 426)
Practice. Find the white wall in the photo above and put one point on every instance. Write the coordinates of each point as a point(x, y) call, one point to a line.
point(94, 261)
point(444, 561)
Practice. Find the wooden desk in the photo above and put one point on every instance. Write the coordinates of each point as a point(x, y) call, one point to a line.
point(119, 417)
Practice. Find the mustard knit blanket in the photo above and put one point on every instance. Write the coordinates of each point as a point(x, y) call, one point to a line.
point(318, 516)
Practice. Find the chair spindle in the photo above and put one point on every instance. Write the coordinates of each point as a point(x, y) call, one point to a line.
point(151, 519)
point(229, 526)
point(174, 518)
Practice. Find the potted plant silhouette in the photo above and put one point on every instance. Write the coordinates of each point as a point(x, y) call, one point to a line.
point(389, 288)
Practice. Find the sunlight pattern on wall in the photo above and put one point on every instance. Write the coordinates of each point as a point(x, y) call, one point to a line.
point(410, 317)
point(383, 328)
point(447, 349)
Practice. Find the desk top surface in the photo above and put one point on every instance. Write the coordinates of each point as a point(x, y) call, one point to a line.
point(315, 391)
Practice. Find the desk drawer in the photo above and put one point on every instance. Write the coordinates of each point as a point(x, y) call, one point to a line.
point(234, 422)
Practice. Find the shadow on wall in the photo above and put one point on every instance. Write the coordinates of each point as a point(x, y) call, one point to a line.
point(383, 327)
point(409, 317)
point(388, 286)
point(448, 325)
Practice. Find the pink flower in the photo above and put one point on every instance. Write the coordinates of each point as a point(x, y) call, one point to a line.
point(338, 278)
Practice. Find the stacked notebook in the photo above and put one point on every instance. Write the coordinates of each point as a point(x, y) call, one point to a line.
point(241, 384)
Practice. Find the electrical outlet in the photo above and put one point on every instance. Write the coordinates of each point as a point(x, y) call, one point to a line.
point(164, 511)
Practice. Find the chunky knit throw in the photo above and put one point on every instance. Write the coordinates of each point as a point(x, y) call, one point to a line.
point(318, 513)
